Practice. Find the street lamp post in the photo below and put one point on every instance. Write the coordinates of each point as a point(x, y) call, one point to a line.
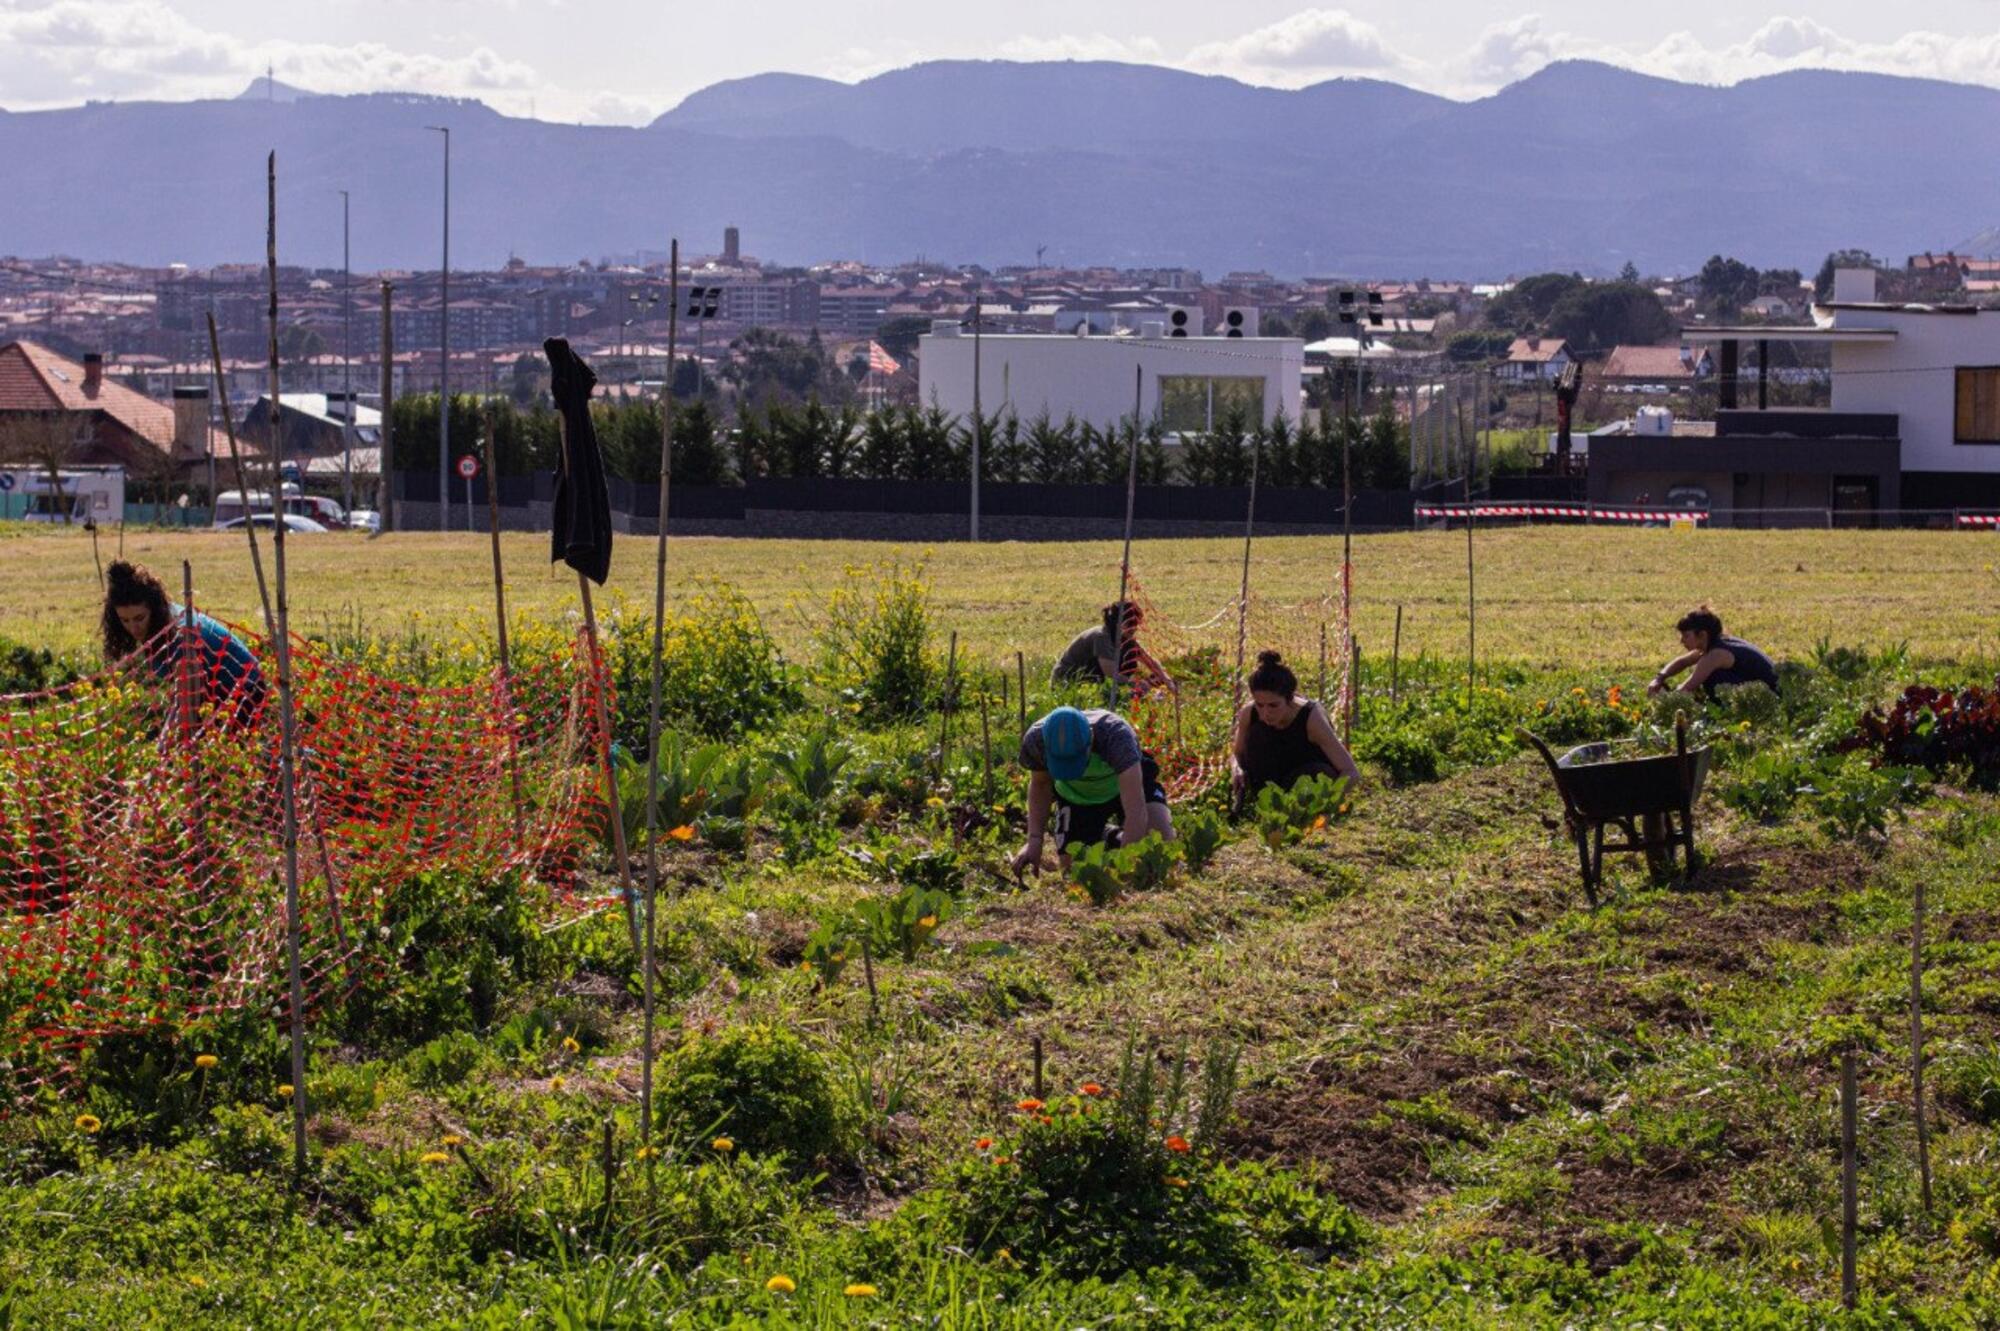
point(347, 359)
point(444, 347)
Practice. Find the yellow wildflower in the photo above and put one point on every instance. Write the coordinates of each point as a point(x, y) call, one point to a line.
point(928, 922)
point(781, 1284)
point(859, 1291)
point(284, 1090)
point(682, 833)
point(646, 1153)
point(723, 1144)
point(557, 1083)
point(88, 1123)
point(206, 1061)
point(570, 1046)
point(451, 1139)
point(434, 1158)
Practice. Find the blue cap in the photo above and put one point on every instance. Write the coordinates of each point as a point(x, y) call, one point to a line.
point(1066, 743)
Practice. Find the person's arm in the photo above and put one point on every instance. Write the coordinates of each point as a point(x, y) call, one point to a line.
point(1041, 795)
point(1712, 660)
point(1154, 668)
point(1132, 798)
point(1670, 669)
point(1319, 729)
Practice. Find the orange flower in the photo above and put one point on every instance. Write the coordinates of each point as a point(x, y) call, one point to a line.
point(1045, 1118)
point(1003, 1159)
point(1090, 1088)
point(983, 1144)
point(1029, 1105)
point(1178, 1144)
point(682, 833)
point(1319, 823)
point(1175, 1181)
point(1614, 696)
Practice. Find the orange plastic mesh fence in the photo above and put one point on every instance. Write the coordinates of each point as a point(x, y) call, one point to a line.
point(141, 842)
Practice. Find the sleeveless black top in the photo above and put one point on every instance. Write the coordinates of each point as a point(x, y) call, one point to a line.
point(1752, 667)
point(1270, 753)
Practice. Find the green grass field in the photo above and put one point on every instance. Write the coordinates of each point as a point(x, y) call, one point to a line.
point(1549, 596)
point(1463, 1098)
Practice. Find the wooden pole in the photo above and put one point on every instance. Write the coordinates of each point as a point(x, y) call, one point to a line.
point(1471, 598)
point(1041, 1087)
point(1847, 1181)
point(1131, 502)
point(1321, 692)
point(500, 622)
point(986, 738)
point(90, 525)
point(653, 714)
point(242, 482)
point(612, 804)
point(1243, 593)
point(945, 703)
point(1353, 688)
point(1396, 656)
point(385, 461)
point(1021, 672)
point(287, 729)
point(1917, 1043)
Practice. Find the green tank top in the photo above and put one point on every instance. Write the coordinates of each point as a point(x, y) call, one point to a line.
point(1097, 785)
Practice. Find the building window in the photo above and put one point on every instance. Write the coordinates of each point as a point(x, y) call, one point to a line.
point(1194, 403)
point(1978, 414)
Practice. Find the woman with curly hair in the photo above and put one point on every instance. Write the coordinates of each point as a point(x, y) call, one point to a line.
point(142, 626)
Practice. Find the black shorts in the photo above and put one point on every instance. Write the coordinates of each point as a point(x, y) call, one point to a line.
point(1087, 824)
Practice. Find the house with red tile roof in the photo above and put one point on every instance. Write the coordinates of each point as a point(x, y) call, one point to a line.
point(115, 426)
point(1673, 364)
point(1532, 358)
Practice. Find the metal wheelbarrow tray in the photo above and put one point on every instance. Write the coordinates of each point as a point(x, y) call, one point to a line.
point(1650, 799)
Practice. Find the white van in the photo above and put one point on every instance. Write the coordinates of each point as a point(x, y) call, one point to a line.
point(74, 496)
point(234, 505)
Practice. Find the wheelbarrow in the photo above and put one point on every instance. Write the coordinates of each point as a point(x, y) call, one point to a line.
point(1649, 799)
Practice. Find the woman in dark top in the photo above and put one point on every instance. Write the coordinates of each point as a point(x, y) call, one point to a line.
point(1715, 658)
point(1094, 655)
point(1281, 738)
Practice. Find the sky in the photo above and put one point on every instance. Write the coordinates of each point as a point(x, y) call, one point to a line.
point(625, 61)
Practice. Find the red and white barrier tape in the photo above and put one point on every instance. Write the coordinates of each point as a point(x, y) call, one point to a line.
point(1979, 519)
point(1569, 511)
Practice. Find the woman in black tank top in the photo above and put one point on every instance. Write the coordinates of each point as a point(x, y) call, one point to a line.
point(1281, 738)
point(1715, 659)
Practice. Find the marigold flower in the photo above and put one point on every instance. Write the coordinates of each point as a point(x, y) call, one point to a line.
point(1319, 823)
point(859, 1291)
point(1003, 1159)
point(88, 1123)
point(1176, 1181)
point(928, 922)
point(434, 1157)
point(1090, 1088)
point(983, 1144)
point(682, 833)
point(570, 1046)
point(723, 1144)
point(781, 1284)
point(206, 1061)
point(1614, 696)
point(1178, 1144)
point(1029, 1105)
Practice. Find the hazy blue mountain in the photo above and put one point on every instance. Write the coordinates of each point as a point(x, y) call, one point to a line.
point(1579, 166)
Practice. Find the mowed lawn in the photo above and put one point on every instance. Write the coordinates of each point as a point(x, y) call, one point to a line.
point(1547, 596)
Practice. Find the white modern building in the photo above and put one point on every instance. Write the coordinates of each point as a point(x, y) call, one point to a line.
point(1914, 425)
point(1189, 383)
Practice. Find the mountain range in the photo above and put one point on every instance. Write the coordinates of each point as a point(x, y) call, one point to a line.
point(1580, 166)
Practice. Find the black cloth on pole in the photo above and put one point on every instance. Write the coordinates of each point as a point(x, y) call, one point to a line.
point(582, 526)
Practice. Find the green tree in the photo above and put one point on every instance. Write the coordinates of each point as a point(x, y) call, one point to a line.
point(1314, 324)
point(1823, 280)
point(898, 336)
point(1727, 285)
point(1601, 315)
point(1525, 307)
point(1629, 273)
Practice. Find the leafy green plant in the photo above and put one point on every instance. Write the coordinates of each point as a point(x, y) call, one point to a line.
point(932, 869)
point(1768, 784)
point(761, 1087)
point(874, 641)
point(902, 924)
point(812, 767)
point(1103, 874)
point(720, 671)
point(1202, 832)
point(1284, 816)
point(1854, 802)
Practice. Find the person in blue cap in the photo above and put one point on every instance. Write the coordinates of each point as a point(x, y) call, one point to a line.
point(1087, 768)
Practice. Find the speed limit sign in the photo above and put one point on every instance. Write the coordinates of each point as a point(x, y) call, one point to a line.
point(468, 466)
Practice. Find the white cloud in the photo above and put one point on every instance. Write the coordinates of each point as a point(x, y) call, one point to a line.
point(1310, 45)
point(1092, 46)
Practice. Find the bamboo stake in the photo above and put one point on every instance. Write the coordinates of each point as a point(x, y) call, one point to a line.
point(945, 703)
point(500, 618)
point(242, 481)
point(384, 463)
point(986, 739)
point(1021, 670)
point(1125, 560)
point(1354, 688)
point(1243, 594)
point(1321, 691)
point(1396, 657)
point(1917, 1044)
point(1847, 1181)
point(288, 736)
point(613, 805)
point(1040, 1087)
point(653, 714)
point(90, 525)
point(1471, 598)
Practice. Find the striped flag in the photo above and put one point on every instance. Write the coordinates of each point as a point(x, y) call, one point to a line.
point(880, 361)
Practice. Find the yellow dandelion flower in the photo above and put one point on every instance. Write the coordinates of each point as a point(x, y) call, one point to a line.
point(781, 1284)
point(723, 1144)
point(451, 1139)
point(557, 1083)
point(197, 1282)
point(935, 802)
point(206, 1061)
point(646, 1153)
point(88, 1123)
point(860, 1291)
point(284, 1090)
point(570, 1046)
point(434, 1158)
point(928, 922)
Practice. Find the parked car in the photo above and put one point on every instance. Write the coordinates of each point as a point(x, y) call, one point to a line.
point(326, 512)
point(364, 519)
point(293, 523)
